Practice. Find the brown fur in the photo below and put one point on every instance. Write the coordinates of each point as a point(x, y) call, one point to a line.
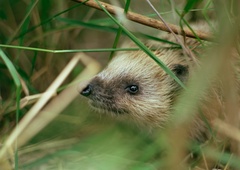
point(152, 105)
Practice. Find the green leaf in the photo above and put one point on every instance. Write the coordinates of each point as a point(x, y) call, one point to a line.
point(189, 5)
point(115, 43)
point(17, 82)
point(144, 48)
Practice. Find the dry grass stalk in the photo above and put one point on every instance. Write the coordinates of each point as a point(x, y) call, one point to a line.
point(227, 129)
point(35, 119)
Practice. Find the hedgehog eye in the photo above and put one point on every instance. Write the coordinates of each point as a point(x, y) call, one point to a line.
point(132, 89)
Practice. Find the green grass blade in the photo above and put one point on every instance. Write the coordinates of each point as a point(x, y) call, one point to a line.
point(158, 39)
point(22, 23)
point(68, 51)
point(26, 23)
point(107, 28)
point(87, 24)
point(102, 21)
point(186, 23)
point(46, 21)
point(11, 69)
point(189, 5)
point(17, 82)
point(143, 47)
point(206, 16)
point(119, 30)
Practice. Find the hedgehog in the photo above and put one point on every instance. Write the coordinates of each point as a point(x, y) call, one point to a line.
point(135, 88)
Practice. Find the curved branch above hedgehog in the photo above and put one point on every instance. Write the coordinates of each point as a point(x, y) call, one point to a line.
point(154, 23)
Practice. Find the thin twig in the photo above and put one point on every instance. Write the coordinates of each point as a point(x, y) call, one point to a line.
point(146, 20)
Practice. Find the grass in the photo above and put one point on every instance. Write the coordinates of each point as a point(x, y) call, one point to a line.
point(42, 38)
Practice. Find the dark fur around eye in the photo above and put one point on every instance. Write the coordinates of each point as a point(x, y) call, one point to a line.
point(180, 70)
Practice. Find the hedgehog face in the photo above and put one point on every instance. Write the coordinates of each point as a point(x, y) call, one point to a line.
point(109, 96)
point(134, 86)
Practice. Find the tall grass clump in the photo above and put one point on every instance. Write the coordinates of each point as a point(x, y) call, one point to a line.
point(48, 47)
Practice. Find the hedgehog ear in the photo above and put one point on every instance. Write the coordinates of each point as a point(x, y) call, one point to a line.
point(180, 71)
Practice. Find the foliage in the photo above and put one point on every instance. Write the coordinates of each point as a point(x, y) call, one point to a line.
point(39, 38)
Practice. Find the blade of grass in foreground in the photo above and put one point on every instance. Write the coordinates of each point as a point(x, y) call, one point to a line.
point(68, 51)
point(143, 47)
point(115, 43)
point(17, 83)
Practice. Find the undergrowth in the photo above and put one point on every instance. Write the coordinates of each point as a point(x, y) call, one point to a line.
point(38, 39)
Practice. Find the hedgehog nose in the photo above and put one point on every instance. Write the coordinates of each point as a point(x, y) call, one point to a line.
point(86, 91)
